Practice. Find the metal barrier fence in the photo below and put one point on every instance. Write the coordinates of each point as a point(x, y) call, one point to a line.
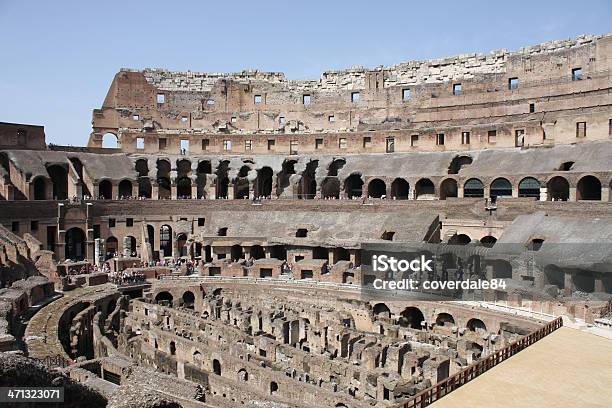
point(52, 361)
point(444, 387)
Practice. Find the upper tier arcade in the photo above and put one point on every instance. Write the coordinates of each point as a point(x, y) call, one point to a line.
point(553, 93)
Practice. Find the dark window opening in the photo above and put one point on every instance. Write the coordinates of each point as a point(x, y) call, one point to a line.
point(576, 74)
point(129, 222)
point(201, 222)
point(222, 232)
point(440, 139)
point(513, 83)
point(111, 222)
point(456, 89)
point(580, 129)
point(388, 235)
point(301, 233)
point(33, 225)
point(531, 107)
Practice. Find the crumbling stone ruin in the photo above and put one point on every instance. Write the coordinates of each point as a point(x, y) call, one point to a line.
point(219, 254)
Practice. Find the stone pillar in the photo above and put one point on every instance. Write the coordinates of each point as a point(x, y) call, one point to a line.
point(154, 190)
point(173, 188)
point(412, 194)
point(568, 285)
point(487, 191)
point(194, 187)
point(460, 191)
point(115, 192)
point(543, 193)
point(98, 252)
point(388, 184)
point(515, 191)
point(599, 285)
point(572, 194)
point(605, 193)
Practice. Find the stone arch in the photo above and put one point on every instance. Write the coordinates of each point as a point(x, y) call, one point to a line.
point(308, 182)
point(283, 179)
point(216, 364)
point(144, 187)
point(448, 188)
point(353, 186)
point(110, 141)
point(445, 319)
point(40, 188)
point(529, 187)
point(377, 188)
point(400, 189)
point(59, 180)
point(588, 188)
point(142, 167)
point(204, 168)
point(181, 244)
point(163, 179)
point(424, 189)
point(241, 184)
point(111, 246)
point(382, 310)
point(500, 187)
point(473, 188)
point(330, 187)
point(183, 187)
point(75, 244)
point(459, 239)
point(105, 190)
point(164, 296)
point(273, 387)
point(558, 189)
point(243, 375)
point(165, 240)
point(476, 325)
point(221, 187)
point(263, 182)
point(411, 317)
point(188, 299)
point(488, 241)
point(125, 188)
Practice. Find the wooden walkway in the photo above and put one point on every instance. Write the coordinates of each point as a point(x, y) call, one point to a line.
point(567, 368)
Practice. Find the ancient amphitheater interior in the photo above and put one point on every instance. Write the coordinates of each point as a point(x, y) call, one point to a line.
point(219, 253)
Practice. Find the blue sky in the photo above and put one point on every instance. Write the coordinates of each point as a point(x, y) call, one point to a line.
point(57, 58)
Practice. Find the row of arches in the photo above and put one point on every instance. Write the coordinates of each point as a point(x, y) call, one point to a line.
point(412, 317)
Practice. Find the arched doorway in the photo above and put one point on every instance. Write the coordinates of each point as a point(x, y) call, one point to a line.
point(112, 247)
point(459, 239)
point(163, 179)
point(411, 317)
point(353, 186)
point(188, 299)
point(425, 189)
point(488, 241)
point(165, 240)
point(473, 188)
point(558, 189)
point(125, 188)
point(105, 190)
point(588, 188)
point(476, 325)
point(163, 297)
point(40, 188)
point(448, 188)
point(181, 244)
point(263, 183)
point(144, 187)
point(130, 243)
point(501, 187)
point(183, 188)
point(377, 188)
point(75, 244)
point(529, 187)
point(382, 310)
point(241, 185)
point(59, 179)
point(400, 189)
point(445, 319)
point(330, 187)
point(204, 168)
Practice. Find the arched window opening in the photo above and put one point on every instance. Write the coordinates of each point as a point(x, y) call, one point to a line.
point(473, 188)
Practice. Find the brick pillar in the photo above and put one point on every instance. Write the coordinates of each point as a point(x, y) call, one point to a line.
point(605, 193)
point(543, 193)
point(572, 194)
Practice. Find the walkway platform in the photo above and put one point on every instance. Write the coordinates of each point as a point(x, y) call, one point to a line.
point(568, 368)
